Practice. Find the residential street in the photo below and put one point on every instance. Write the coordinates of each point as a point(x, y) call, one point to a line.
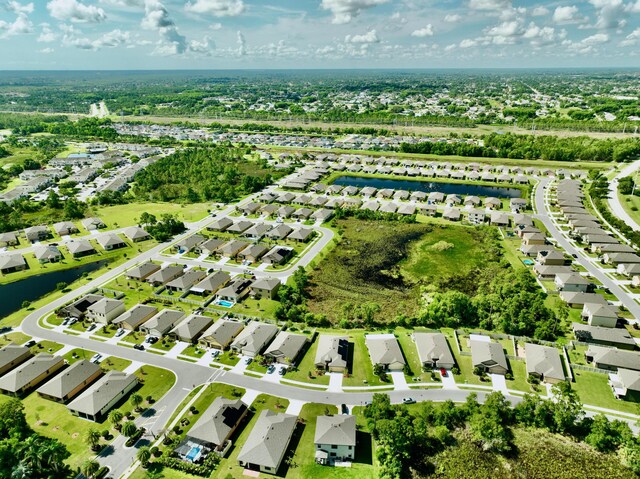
point(614, 200)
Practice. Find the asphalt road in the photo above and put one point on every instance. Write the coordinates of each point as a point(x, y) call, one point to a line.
point(563, 242)
point(614, 200)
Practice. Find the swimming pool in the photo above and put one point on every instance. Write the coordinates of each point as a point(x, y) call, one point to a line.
point(224, 303)
point(528, 262)
point(194, 454)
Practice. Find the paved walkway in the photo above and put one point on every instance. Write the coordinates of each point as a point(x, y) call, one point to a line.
point(295, 407)
point(250, 396)
point(448, 381)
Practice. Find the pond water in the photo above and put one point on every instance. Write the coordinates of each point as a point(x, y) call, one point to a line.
point(13, 294)
point(462, 189)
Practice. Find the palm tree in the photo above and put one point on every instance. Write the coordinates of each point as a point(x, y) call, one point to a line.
point(90, 468)
point(115, 417)
point(143, 455)
point(136, 400)
point(128, 429)
point(93, 438)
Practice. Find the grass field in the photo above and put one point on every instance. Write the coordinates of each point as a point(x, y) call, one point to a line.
point(594, 389)
point(631, 205)
point(127, 215)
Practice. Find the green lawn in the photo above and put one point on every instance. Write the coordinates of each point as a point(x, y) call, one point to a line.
point(78, 354)
point(127, 215)
point(362, 369)
point(410, 352)
point(46, 346)
point(306, 370)
point(594, 389)
point(112, 362)
point(519, 381)
point(155, 381)
point(16, 337)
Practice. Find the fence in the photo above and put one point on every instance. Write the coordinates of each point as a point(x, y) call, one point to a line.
point(581, 367)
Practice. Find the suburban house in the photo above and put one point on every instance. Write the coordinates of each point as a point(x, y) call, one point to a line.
point(36, 233)
point(111, 241)
point(571, 282)
point(8, 239)
point(80, 247)
point(30, 374)
point(266, 288)
point(13, 355)
point(612, 358)
point(47, 254)
point(385, 351)
point(335, 438)
point(475, 216)
point(578, 300)
point(253, 253)
point(249, 208)
point(164, 275)
point(551, 257)
point(209, 246)
point(215, 426)
point(232, 248)
point(286, 347)
point(629, 269)
point(451, 214)
point(183, 283)
point(544, 363)
point(279, 232)
point(191, 328)
point(624, 381)
point(267, 444)
point(189, 243)
point(105, 310)
point(499, 219)
point(136, 316)
point(71, 382)
point(143, 271)
point(433, 350)
point(162, 323)
point(240, 226)
point(136, 234)
point(285, 212)
point(616, 337)
point(600, 315)
point(278, 255)
point(253, 340)
point(78, 309)
point(92, 224)
point(488, 355)
point(103, 395)
point(235, 291)
point(12, 263)
point(301, 234)
point(621, 258)
point(534, 238)
point(257, 231)
point(221, 334)
point(221, 224)
point(211, 283)
point(332, 354)
point(65, 228)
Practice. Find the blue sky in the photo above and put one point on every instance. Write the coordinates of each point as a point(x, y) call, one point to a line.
point(212, 34)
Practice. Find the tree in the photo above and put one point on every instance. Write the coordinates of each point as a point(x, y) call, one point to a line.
point(451, 309)
point(93, 438)
point(605, 435)
point(115, 417)
point(90, 468)
point(144, 455)
point(490, 424)
point(566, 407)
point(630, 455)
point(13, 422)
point(148, 219)
point(128, 429)
point(136, 400)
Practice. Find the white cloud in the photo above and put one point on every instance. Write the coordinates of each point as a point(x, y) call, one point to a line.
point(634, 7)
point(47, 35)
point(455, 18)
point(490, 5)
point(631, 39)
point(468, 43)
point(610, 14)
point(344, 10)
point(156, 17)
point(112, 39)
point(567, 15)
point(18, 8)
point(47, 50)
point(215, 26)
point(124, 3)
point(540, 11)
point(423, 32)
point(217, 8)
point(541, 36)
point(75, 11)
point(596, 39)
point(19, 26)
point(242, 44)
point(204, 47)
point(370, 37)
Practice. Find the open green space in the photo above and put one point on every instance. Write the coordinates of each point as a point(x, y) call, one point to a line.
point(127, 215)
point(155, 381)
point(594, 390)
point(78, 354)
point(361, 373)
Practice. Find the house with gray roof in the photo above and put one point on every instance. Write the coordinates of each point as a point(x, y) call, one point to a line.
point(79, 307)
point(488, 356)
point(95, 402)
point(216, 425)
point(13, 355)
point(65, 228)
point(111, 241)
point(279, 231)
point(385, 351)
point(611, 358)
point(184, 283)
point(253, 252)
point(209, 246)
point(8, 239)
point(578, 300)
point(266, 288)
point(240, 226)
point(433, 350)
point(286, 347)
point(322, 214)
point(232, 248)
point(71, 382)
point(161, 323)
point(235, 291)
point(166, 274)
point(30, 374)
point(332, 354)
point(80, 247)
point(143, 271)
point(221, 334)
point(47, 254)
point(615, 337)
point(285, 211)
point(335, 438)
point(12, 263)
point(267, 444)
point(135, 317)
point(571, 282)
point(451, 214)
point(189, 243)
point(253, 339)
point(302, 235)
point(544, 363)
point(278, 255)
point(36, 233)
point(92, 224)
point(221, 224)
point(136, 234)
point(105, 310)
point(257, 231)
point(624, 381)
point(600, 315)
point(211, 283)
point(191, 328)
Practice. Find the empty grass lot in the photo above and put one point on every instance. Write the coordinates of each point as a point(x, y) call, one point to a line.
point(127, 215)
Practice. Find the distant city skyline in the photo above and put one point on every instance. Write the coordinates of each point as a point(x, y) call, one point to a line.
point(317, 34)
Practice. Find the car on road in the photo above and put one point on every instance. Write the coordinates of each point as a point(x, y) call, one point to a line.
point(271, 369)
point(139, 347)
point(408, 400)
point(119, 332)
point(574, 255)
point(443, 372)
